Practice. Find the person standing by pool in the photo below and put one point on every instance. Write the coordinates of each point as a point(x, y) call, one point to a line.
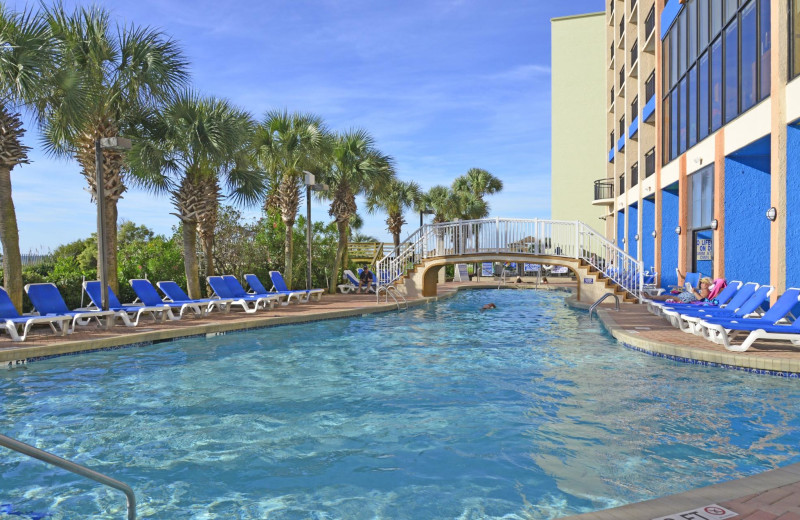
point(366, 279)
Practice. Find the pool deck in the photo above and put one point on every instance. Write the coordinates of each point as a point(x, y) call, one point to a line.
point(769, 495)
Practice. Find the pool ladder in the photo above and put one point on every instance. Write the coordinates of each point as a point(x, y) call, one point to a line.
point(598, 302)
point(391, 290)
point(36, 453)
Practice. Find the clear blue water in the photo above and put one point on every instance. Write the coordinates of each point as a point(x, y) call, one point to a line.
point(527, 411)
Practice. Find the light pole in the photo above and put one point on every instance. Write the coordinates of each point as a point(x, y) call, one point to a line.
point(310, 186)
point(115, 144)
point(423, 212)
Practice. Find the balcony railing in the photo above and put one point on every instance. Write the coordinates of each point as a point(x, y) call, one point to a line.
point(622, 184)
point(634, 52)
point(622, 126)
point(622, 28)
point(613, 141)
point(650, 163)
point(633, 4)
point(611, 7)
point(603, 189)
point(612, 95)
point(612, 52)
point(650, 22)
point(650, 86)
point(635, 108)
point(621, 77)
point(634, 175)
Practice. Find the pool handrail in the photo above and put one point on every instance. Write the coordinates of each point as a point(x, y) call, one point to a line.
point(49, 458)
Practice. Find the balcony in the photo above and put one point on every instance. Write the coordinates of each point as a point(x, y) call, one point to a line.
point(648, 110)
point(650, 163)
point(633, 130)
point(621, 143)
point(621, 79)
point(649, 31)
point(650, 86)
point(622, 184)
point(611, 155)
point(635, 108)
point(634, 175)
point(635, 52)
point(603, 192)
point(622, 28)
point(634, 11)
point(611, 61)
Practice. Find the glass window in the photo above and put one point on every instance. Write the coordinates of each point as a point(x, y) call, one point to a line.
point(665, 131)
point(673, 74)
point(665, 64)
point(691, 21)
point(764, 48)
point(703, 19)
point(703, 96)
point(682, 116)
point(730, 9)
point(749, 49)
point(682, 41)
point(674, 128)
point(702, 188)
point(731, 71)
point(716, 17)
point(716, 84)
point(795, 41)
point(692, 101)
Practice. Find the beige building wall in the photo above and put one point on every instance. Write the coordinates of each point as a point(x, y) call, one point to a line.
point(579, 154)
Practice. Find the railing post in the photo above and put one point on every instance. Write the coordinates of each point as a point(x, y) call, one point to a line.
point(577, 239)
point(497, 228)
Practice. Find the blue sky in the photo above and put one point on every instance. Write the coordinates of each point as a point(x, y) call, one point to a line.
point(443, 86)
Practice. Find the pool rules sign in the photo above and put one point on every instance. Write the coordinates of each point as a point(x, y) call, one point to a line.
point(712, 512)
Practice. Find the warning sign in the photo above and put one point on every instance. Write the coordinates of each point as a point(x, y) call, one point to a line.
point(710, 512)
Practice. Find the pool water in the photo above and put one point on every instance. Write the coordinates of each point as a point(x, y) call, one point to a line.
point(443, 412)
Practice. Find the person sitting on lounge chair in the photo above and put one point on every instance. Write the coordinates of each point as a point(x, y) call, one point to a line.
point(689, 294)
point(366, 279)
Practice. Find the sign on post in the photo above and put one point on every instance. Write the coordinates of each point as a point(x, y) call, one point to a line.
point(704, 249)
point(461, 274)
point(487, 269)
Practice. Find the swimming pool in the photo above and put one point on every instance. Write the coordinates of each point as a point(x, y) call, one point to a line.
point(526, 411)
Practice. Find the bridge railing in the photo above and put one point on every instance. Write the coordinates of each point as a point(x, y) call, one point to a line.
point(569, 239)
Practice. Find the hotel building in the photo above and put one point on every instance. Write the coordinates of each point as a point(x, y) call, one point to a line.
point(703, 137)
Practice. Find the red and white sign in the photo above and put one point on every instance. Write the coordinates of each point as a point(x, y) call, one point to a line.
point(710, 512)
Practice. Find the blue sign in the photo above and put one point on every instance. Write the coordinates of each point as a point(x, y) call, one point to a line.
point(487, 269)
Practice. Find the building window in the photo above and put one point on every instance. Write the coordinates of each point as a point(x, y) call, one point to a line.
point(702, 192)
point(794, 35)
point(704, 129)
point(650, 163)
point(749, 62)
point(717, 65)
point(622, 184)
point(731, 71)
point(665, 121)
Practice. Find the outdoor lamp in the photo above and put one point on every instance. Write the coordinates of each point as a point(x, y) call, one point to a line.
point(677, 230)
point(116, 144)
point(714, 224)
point(772, 214)
point(310, 182)
point(654, 233)
point(636, 237)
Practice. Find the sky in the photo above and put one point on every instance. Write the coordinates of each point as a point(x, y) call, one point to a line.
point(442, 85)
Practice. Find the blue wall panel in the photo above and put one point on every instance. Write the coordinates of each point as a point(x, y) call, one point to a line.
point(633, 226)
point(648, 225)
point(620, 229)
point(793, 207)
point(747, 230)
point(669, 240)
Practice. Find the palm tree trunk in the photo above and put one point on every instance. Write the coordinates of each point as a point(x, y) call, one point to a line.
point(289, 199)
point(111, 245)
point(9, 238)
point(190, 258)
point(341, 252)
point(208, 252)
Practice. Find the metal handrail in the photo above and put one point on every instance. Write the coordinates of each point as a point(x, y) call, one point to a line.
point(392, 291)
point(54, 460)
point(598, 302)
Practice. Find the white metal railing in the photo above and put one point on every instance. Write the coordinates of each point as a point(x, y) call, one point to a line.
point(536, 237)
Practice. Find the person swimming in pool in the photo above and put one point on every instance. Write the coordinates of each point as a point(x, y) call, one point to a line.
point(488, 306)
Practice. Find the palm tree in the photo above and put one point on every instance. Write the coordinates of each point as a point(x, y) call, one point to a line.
point(124, 73)
point(394, 199)
point(445, 203)
point(356, 167)
point(286, 144)
point(28, 64)
point(190, 146)
point(478, 183)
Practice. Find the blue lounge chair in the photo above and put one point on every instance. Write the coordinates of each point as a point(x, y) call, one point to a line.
point(722, 299)
point(264, 299)
point(722, 330)
point(351, 283)
point(129, 314)
point(148, 294)
point(752, 306)
point(10, 319)
point(177, 296)
point(48, 302)
point(279, 286)
point(221, 289)
point(685, 318)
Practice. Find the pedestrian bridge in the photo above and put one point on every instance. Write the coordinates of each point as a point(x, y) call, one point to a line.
point(599, 265)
